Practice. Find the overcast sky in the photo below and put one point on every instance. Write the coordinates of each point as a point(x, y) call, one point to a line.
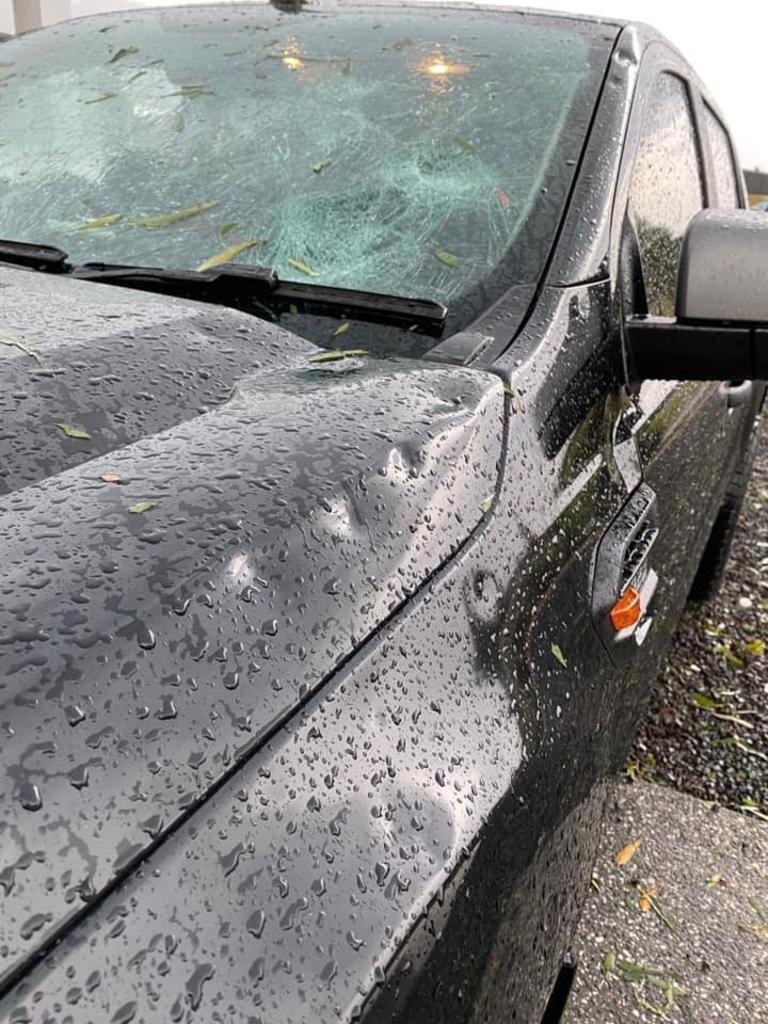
point(727, 43)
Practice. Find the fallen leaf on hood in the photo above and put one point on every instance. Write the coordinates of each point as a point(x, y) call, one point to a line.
point(76, 432)
point(100, 222)
point(625, 855)
point(329, 357)
point(227, 255)
point(13, 340)
point(141, 506)
point(165, 220)
point(298, 265)
point(557, 653)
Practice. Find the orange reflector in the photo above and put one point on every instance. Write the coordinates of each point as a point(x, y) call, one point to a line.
point(627, 611)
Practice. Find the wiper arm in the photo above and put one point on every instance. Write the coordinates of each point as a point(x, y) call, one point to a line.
point(38, 257)
point(241, 287)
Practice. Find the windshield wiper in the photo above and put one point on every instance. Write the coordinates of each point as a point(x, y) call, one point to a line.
point(38, 257)
point(241, 287)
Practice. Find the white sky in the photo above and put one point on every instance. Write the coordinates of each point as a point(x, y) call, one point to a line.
point(726, 42)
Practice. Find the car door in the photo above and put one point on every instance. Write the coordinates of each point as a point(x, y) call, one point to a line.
point(686, 433)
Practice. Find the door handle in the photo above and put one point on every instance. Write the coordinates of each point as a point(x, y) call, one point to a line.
point(737, 392)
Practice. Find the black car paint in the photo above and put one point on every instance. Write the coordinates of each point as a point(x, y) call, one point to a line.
point(412, 838)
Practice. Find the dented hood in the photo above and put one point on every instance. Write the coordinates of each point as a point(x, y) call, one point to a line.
point(199, 524)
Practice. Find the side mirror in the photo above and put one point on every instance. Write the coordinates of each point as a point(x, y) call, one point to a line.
point(720, 331)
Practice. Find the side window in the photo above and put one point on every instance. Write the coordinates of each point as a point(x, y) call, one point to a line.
point(665, 189)
point(722, 157)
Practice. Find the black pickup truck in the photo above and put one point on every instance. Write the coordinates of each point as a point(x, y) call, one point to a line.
point(376, 387)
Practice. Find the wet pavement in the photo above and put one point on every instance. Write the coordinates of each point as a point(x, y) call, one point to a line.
point(698, 951)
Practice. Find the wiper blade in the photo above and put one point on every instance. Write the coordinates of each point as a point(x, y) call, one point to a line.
point(242, 287)
point(38, 257)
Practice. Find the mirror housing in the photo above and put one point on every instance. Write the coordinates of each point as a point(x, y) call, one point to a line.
point(720, 331)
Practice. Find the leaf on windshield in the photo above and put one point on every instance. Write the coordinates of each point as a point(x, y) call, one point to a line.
point(226, 229)
point(190, 90)
point(13, 340)
point(126, 51)
point(100, 99)
point(100, 222)
point(228, 254)
point(321, 165)
point(447, 258)
point(298, 265)
point(165, 220)
point(75, 432)
point(331, 357)
point(141, 506)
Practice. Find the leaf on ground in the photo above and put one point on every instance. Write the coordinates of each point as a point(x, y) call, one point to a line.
point(13, 340)
point(640, 975)
point(302, 267)
point(100, 222)
point(228, 254)
point(111, 478)
point(755, 647)
point(126, 51)
point(141, 506)
point(74, 432)
point(165, 220)
point(644, 899)
point(714, 880)
point(101, 98)
point(594, 881)
point(341, 329)
point(447, 258)
point(557, 654)
point(322, 165)
point(609, 962)
point(190, 91)
point(625, 855)
point(333, 356)
point(226, 229)
point(486, 506)
point(758, 909)
point(701, 700)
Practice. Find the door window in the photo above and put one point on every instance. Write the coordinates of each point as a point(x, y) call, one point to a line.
point(665, 189)
point(722, 157)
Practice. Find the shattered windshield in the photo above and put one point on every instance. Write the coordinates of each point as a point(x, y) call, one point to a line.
point(411, 152)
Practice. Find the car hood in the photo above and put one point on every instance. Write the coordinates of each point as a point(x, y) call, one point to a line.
point(177, 582)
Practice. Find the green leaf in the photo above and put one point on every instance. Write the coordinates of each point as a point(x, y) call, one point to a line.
point(447, 258)
point(341, 329)
point(100, 222)
point(101, 98)
point(298, 265)
point(755, 647)
point(165, 220)
point(226, 229)
point(75, 432)
point(702, 701)
point(227, 255)
point(13, 340)
point(332, 356)
point(321, 165)
point(558, 655)
point(126, 51)
point(487, 505)
point(609, 962)
point(465, 144)
point(758, 909)
point(141, 506)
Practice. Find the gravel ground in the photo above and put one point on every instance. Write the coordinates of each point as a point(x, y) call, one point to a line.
point(707, 728)
point(698, 952)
